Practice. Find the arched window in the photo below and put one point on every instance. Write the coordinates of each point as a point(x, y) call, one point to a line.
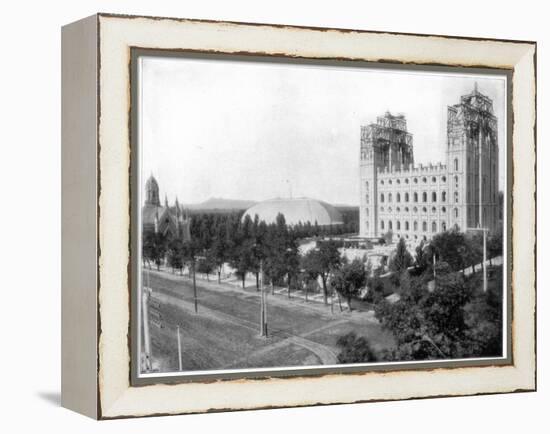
point(424, 197)
point(443, 209)
point(424, 180)
point(443, 226)
point(398, 197)
point(443, 179)
point(398, 224)
point(367, 225)
point(434, 227)
point(456, 196)
point(406, 225)
point(434, 179)
point(415, 180)
point(415, 225)
point(415, 197)
point(390, 225)
point(381, 209)
point(389, 197)
point(456, 164)
point(406, 197)
point(434, 196)
point(398, 181)
point(390, 182)
point(456, 212)
point(367, 185)
point(398, 209)
point(382, 182)
point(424, 210)
point(434, 210)
point(415, 209)
point(367, 198)
point(406, 180)
point(443, 196)
point(424, 226)
point(406, 209)
point(382, 197)
point(382, 225)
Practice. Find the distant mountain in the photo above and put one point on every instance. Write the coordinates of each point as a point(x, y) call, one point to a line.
point(221, 204)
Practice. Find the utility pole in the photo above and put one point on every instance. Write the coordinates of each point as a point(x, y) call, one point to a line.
point(195, 286)
point(179, 348)
point(146, 334)
point(263, 304)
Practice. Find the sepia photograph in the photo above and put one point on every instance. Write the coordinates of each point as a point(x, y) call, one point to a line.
point(301, 215)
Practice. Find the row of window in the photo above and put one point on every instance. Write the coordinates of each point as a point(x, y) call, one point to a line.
point(406, 226)
point(415, 180)
point(406, 197)
point(415, 209)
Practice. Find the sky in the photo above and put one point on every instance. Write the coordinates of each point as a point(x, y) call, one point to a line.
point(259, 130)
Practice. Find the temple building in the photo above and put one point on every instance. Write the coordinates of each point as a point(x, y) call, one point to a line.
point(171, 221)
point(417, 202)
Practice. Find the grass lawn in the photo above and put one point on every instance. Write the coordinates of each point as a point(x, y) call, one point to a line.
point(224, 334)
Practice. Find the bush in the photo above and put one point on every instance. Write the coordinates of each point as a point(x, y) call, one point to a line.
point(355, 349)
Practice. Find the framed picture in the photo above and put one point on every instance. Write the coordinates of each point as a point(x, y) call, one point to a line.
point(261, 216)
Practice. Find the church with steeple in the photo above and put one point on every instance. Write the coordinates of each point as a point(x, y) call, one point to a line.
point(172, 221)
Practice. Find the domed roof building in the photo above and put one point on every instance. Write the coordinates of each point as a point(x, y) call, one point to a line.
point(296, 210)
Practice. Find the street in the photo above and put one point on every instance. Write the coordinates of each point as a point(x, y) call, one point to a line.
point(225, 333)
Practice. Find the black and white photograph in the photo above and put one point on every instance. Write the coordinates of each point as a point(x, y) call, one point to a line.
point(307, 215)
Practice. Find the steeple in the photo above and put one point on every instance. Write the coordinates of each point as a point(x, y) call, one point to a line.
point(152, 192)
point(166, 201)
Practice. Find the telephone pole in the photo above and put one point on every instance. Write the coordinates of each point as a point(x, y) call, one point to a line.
point(179, 348)
point(263, 303)
point(146, 335)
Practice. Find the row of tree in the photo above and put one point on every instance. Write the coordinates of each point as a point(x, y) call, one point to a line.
point(441, 315)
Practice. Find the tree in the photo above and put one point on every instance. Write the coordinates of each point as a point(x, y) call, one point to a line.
point(349, 279)
point(422, 259)
point(206, 265)
point(291, 261)
point(219, 252)
point(175, 254)
point(321, 262)
point(154, 247)
point(401, 259)
point(241, 253)
point(453, 248)
point(494, 244)
point(276, 244)
point(354, 349)
point(388, 237)
point(429, 325)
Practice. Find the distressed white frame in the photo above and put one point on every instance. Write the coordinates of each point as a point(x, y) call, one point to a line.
point(114, 396)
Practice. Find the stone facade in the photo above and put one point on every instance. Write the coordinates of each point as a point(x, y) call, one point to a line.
point(417, 202)
point(171, 221)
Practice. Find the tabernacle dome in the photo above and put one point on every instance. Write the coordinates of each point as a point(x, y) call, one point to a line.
point(296, 210)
